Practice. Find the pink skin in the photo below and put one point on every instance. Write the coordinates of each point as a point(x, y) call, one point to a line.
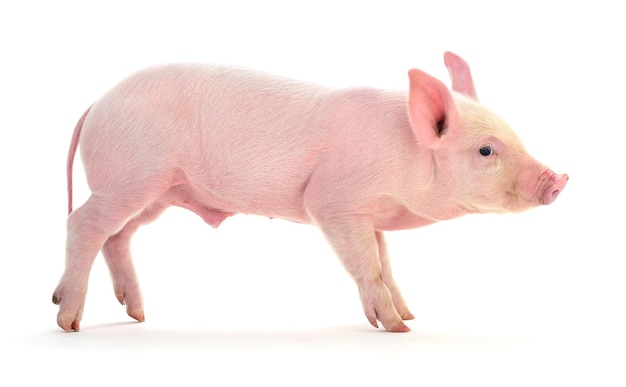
point(353, 162)
point(552, 191)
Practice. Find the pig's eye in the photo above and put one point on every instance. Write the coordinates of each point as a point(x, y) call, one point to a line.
point(486, 151)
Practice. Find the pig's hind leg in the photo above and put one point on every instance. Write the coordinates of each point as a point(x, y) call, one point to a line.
point(88, 228)
point(104, 214)
point(116, 251)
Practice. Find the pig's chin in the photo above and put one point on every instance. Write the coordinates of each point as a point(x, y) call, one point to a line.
point(506, 202)
point(518, 203)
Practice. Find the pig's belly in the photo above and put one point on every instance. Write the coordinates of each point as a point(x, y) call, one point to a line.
point(183, 196)
point(400, 219)
point(214, 210)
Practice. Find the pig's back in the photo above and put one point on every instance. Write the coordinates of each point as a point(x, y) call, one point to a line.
point(233, 133)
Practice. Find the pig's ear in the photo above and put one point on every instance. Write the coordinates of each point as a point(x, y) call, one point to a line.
point(432, 111)
point(460, 74)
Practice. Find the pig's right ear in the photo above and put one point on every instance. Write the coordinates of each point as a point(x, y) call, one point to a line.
point(432, 111)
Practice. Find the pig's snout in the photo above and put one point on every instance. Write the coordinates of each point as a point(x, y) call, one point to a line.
point(552, 191)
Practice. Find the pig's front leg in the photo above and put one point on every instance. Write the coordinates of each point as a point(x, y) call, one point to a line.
point(385, 264)
point(354, 240)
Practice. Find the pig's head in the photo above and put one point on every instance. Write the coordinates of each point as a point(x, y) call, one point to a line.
point(479, 163)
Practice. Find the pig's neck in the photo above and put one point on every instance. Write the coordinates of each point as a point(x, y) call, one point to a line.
point(426, 196)
point(435, 189)
point(421, 208)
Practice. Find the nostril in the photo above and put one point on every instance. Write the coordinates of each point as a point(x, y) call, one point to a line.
point(550, 195)
point(552, 192)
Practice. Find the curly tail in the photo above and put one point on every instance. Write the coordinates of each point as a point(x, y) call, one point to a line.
point(70, 158)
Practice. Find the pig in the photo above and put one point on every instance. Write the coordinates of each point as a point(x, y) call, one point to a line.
point(354, 162)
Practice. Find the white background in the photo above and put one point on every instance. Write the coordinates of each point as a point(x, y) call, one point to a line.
point(533, 299)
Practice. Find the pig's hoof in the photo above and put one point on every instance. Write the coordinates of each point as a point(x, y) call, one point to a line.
point(134, 305)
point(68, 318)
point(137, 315)
point(398, 327)
point(71, 305)
point(68, 324)
point(407, 315)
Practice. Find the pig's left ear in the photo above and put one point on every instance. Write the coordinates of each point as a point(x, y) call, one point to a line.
point(432, 111)
point(460, 74)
